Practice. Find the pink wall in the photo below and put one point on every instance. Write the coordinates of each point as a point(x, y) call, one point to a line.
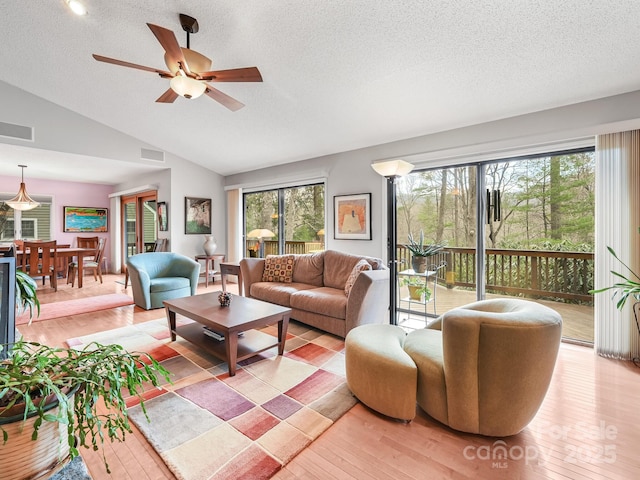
point(65, 194)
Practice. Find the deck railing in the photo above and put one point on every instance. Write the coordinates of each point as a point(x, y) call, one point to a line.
point(562, 276)
point(271, 247)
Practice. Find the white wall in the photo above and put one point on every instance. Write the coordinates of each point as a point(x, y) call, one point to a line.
point(185, 179)
point(61, 130)
point(350, 172)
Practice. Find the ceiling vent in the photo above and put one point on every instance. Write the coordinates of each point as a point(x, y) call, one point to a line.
point(20, 132)
point(154, 155)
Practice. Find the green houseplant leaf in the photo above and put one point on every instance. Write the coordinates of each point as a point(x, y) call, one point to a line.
point(26, 294)
point(626, 287)
point(419, 249)
point(97, 375)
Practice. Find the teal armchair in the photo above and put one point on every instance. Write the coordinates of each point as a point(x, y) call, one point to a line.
point(160, 276)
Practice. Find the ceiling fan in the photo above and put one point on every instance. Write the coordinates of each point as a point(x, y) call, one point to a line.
point(189, 70)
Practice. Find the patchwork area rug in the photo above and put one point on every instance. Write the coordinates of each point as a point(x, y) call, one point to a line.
point(78, 306)
point(207, 425)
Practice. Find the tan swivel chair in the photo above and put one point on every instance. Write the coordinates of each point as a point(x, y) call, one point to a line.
point(39, 260)
point(489, 367)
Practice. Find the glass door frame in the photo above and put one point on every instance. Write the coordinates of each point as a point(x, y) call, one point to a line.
point(139, 199)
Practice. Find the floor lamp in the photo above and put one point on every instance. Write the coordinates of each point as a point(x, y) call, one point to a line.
point(392, 169)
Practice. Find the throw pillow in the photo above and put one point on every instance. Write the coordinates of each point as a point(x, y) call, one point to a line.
point(278, 268)
point(361, 266)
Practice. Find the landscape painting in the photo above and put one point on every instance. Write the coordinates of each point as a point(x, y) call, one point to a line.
point(86, 219)
point(197, 215)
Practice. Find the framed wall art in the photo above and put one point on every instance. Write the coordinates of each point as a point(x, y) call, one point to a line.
point(86, 219)
point(163, 219)
point(197, 214)
point(352, 217)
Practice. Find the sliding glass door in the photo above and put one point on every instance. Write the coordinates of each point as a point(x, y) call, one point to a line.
point(285, 220)
point(521, 227)
point(441, 206)
point(539, 234)
point(140, 223)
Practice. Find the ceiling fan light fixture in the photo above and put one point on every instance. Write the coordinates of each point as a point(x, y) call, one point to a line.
point(187, 87)
point(22, 201)
point(77, 7)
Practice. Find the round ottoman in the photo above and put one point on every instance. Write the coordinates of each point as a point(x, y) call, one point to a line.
point(379, 372)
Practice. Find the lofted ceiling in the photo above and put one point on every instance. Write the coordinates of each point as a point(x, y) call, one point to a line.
point(338, 75)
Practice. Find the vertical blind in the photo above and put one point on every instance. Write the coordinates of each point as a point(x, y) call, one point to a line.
point(617, 223)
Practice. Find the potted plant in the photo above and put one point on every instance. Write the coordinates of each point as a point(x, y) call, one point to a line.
point(66, 398)
point(26, 294)
point(625, 288)
point(418, 289)
point(421, 252)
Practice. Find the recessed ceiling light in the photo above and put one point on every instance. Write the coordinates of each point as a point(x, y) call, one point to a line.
point(77, 7)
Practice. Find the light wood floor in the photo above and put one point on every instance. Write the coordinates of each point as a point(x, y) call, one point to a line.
point(587, 427)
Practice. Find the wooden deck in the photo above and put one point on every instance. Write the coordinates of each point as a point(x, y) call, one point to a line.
point(577, 319)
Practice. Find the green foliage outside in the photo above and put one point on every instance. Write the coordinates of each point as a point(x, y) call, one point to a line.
point(303, 212)
point(547, 205)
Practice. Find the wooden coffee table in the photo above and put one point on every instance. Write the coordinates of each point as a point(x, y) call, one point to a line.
point(243, 315)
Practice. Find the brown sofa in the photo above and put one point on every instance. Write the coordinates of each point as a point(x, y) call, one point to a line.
point(316, 293)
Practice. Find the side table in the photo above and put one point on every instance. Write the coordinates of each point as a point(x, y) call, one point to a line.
point(231, 268)
point(209, 265)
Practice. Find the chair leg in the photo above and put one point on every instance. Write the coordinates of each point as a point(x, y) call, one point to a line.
point(126, 278)
point(99, 269)
point(71, 275)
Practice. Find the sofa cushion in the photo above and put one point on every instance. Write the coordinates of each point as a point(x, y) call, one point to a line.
point(361, 266)
point(323, 300)
point(308, 268)
point(163, 284)
point(276, 292)
point(278, 268)
point(338, 266)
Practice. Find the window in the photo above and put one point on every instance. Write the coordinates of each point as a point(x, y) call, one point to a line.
point(292, 218)
point(34, 224)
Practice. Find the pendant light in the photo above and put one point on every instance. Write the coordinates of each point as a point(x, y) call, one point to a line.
point(22, 201)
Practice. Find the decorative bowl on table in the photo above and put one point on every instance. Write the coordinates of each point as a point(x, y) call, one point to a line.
point(225, 299)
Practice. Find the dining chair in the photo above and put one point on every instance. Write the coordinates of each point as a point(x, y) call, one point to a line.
point(90, 263)
point(39, 260)
point(87, 242)
point(160, 245)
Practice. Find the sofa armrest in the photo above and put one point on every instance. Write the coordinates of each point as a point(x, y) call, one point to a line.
point(251, 270)
point(368, 301)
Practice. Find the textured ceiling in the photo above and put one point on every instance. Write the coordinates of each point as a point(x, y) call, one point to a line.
point(338, 75)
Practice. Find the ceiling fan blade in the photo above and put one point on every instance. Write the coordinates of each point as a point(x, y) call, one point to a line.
point(167, 97)
point(170, 44)
point(162, 73)
point(247, 74)
point(224, 99)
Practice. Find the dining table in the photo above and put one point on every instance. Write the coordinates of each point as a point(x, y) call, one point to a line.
point(70, 252)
